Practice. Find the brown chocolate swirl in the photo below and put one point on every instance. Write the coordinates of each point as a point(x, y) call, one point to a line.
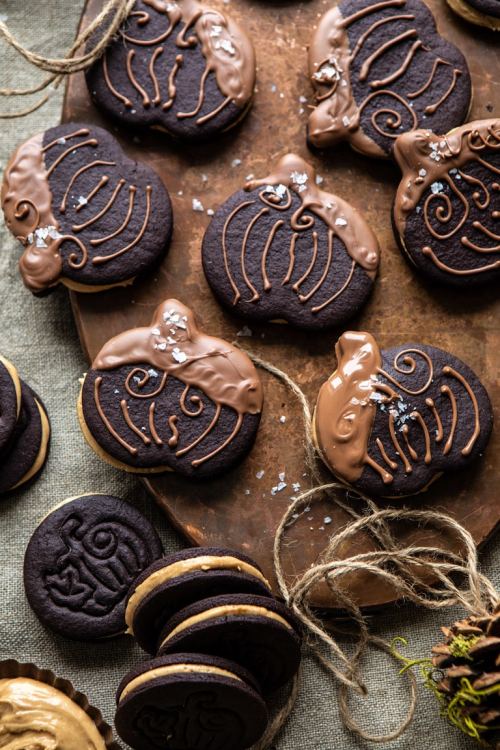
point(379, 69)
point(453, 181)
point(396, 413)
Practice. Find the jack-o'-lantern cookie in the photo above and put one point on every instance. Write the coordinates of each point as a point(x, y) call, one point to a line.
point(447, 208)
point(81, 561)
point(380, 69)
point(480, 12)
point(390, 422)
point(181, 67)
point(88, 216)
point(167, 396)
point(283, 249)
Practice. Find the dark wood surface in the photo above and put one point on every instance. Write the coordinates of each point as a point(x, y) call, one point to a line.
point(239, 510)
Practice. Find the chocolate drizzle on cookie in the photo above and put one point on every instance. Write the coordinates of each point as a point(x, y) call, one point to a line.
point(38, 199)
point(453, 181)
point(362, 389)
point(376, 74)
point(293, 174)
point(227, 51)
point(176, 348)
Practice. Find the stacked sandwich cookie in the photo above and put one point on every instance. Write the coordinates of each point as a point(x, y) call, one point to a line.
point(24, 430)
point(222, 642)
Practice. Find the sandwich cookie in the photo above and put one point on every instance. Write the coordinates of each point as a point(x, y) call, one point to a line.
point(169, 397)
point(390, 422)
point(480, 12)
point(173, 582)
point(447, 207)
point(10, 401)
point(87, 216)
point(180, 67)
point(81, 561)
point(27, 450)
point(283, 250)
point(380, 69)
point(258, 632)
point(189, 701)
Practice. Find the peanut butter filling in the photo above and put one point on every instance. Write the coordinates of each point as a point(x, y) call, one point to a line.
point(36, 715)
point(174, 669)
point(228, 610)
point(182, 567)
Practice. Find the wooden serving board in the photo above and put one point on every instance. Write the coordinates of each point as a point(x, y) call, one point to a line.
point(239, 509)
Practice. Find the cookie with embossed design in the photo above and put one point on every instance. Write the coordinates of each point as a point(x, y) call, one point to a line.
point(258, 632)
point(190, 700)
point(175, 581)
point(169, 397)
point(82, 560)
point(480, 12)
point(10, 401)
point(284, 250)
point(181, 67)
point(380, 69)
point(446, 211)
point(87, 216)
point(390, 422)
point(27, 450)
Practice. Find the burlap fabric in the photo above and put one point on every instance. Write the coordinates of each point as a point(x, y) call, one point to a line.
point(40, 337)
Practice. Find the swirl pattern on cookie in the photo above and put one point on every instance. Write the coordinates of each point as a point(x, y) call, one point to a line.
point(169, 396)
point(282, 248)
point(447, 207)
point(86, 215)
point(380, 69)
point(180, 66)
point(391, 422)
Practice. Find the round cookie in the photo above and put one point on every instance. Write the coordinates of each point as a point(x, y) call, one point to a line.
point(168, 396)
point(189, 701)
point(28, 448)
point(390, 422)
point(258, 632)
point(81, 561)
point(282, 249)
point(181, 67)
point(10, 401)
point(446, 211)
point(175, 581)
point(380, 69)
point(87, 215)
point(480, 12)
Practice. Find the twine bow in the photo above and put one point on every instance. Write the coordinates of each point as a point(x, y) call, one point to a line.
point(428, 576)
point(107, 23)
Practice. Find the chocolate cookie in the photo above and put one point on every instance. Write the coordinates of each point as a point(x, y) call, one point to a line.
point(481, 12)
point(175, 581)
point(181, 67)
point(380, 69)
point(282, 249)
point(27, 450)
point(447, 206)
point(168, 396)
point(258, 632)
point(189, 701)
point(10, 401)
point(81, 561)
point(390, 422)
point(87, 216)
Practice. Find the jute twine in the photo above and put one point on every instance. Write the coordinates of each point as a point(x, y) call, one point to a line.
point(107, 23)
point(450, 579)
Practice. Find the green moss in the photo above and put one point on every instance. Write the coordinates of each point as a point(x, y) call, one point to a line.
point(454, 708)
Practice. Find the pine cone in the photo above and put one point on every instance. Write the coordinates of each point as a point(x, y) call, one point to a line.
point(469, 686)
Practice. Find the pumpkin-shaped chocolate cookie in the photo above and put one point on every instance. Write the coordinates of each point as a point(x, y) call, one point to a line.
point(167, 396)
point(380, 69)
